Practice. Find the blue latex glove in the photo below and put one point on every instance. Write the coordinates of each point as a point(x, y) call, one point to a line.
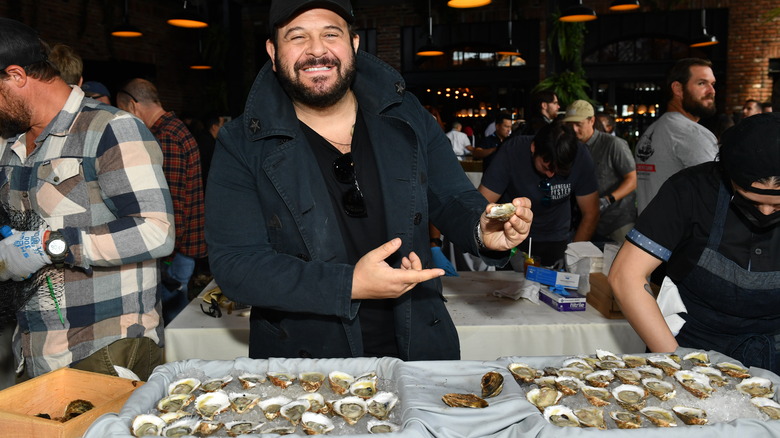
point(22, 254)
point(440, 261)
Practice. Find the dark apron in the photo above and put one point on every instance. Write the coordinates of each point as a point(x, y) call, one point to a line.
point(730, 309)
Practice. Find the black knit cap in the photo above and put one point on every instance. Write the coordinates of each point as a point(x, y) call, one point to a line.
point(19, 44)
point(750, 151)
point(284, 10)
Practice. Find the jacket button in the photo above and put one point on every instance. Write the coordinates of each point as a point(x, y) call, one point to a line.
point(417, 218)
point(303, 257)
point(304, 354)
point(758, 251)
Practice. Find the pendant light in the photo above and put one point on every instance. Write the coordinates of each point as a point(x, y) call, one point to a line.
point(704, 39)
point(578, 13)
point(126, 30)
point(430, 49)
point(188, 18)
point(200, 62)
point(462, 4)
point(509, 50)
point(624, 5)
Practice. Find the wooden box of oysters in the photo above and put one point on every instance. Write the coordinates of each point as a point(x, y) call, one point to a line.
point(72, 400)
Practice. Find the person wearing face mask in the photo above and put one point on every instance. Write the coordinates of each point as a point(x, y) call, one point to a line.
point(717, 225)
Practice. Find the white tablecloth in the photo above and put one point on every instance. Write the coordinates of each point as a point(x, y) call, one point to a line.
point(489, 327)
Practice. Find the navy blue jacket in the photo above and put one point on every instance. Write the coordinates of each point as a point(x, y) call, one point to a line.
point(272, 233)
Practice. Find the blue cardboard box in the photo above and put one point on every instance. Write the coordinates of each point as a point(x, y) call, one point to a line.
point(562, 300)
point(552, 278)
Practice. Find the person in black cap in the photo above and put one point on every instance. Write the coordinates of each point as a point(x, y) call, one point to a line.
point(718, 227)
point(337, 171)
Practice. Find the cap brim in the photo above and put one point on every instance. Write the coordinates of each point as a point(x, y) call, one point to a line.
point(574, 118)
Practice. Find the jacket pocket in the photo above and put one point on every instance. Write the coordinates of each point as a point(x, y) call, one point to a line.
point(61, 187)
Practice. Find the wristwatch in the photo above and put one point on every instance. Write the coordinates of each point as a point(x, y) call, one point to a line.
point(57, 248)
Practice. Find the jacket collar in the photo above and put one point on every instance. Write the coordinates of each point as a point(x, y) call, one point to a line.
point(269, 111)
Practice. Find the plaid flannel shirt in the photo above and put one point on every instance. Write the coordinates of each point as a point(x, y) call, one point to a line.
point(181, 166)
point(96, 175)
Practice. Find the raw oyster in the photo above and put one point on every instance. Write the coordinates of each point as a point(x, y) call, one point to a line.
point(270, 429)
point(601, 378)
point(611, 364)
point(691, 416)
point(241, 427)
point(170, 417)
point(630, 397)
point(659, 416)
point(716, 376)
point(502, 212)
point(696, 383)
point(650, 371)
point(596, 396)
point(546, 381)
point(523, 372)
point(464, 401)
point(175, 402)
point(561, 416)
point(212, 404)
point(282, 380)
point(698, 358)
point(591, 417)
point(573, 372)
point(733, 370)
point(311, 381)
point(340, 381)
point(206, 427)
point(316, 402)
point(492, 384)
point(666, 363)
point(375, 426)
point(578, 362)
point(351, 409)
point(183, 386)
point(316, 424)
point(628, 376)
point(606, 355)
point(633, 361)
point(661, 389)
point(543, 397)
point(626, 420)
point(294, 410)
point(756, 387)
point(364, 386)
point(568, 385)
point(212, 385)
point(271, 406)
point(181, 427)
point(243, 401)
point(767, 406)
point(147, 425)
point(251, 380)
point(381, 404)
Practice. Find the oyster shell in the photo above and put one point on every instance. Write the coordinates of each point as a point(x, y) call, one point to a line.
point(316, 424)
point(698, 358)
point(294, 410)
point(650, 371)
point(174, 402)
point(591, 417)
point(241, 427)
point(340, 381)
point(573, 372)
point(464, 401)
point(601, 378)
point(568, 385)
point(546, 381)
point(767, 406)
point(523, 372)
point(610, 364)
point(351, 409)
point(660, 389)
point(543, 397)
point(626, 420)
point(311, 381)
point(183, 426)
point(250, 380)
point(606, 355)
point(691, 416)
point(271, 406)
point(659, 416)
point(282, 380)
point(633, 361)
point(147, 425)
point(206, 427)
point(316, 402)
point(376, 426)
point(183, 386)
point(716, 376)
point(596, 396)
point(381, 404)
point(561, 416)
point(211, 404)
point(277, 429)
point(756, 387)
point(666, 363)
point(696, 383)
point(502, 212)
point(578, 362)
point(170, 417)
point(364, 386)
point(628, 376)
point(492, 384)
point(218, 383)
point(242, 402)
point(630, 397)
point(733, 370)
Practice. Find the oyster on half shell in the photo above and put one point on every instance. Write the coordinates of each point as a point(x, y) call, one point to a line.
point(561, 416)
point(242, 402)
point(626, 420)
point(591, 417)
point(218, 383)
point(596, 396)
point(696, 383)
point(311, 380)
point(183, 386)
point(756, 387)
point(522, 372)
point(767, 406)
point(733, 370)
point(212, 404)
point(282, 380)
point(630, 397)
point(628, 376)
point(661, 389)
point(147, 425)
point(716, 376)
point(381, 404)
point(316, 424)
point(698, 358)
point(351, 409)
point(271, 406)
point(691, 416)
point(601, 378)
point(378, 426)
point(543, 397)
point(502, 212)
point(175, 402)
point(294, 410)
point(659, 416)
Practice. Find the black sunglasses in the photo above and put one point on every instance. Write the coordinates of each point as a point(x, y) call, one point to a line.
point(213, 310)
point(344, 169)
point(131, 96)
point(545, 186)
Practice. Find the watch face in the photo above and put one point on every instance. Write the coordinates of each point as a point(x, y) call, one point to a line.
point(56, 246)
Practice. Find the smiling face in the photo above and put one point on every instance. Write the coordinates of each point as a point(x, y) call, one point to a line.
point(314, 57)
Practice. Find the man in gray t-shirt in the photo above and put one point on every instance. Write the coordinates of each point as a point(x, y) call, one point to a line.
point(676, 140)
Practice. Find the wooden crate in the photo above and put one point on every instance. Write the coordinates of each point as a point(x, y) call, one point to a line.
point(50, 393)
point(600, 297)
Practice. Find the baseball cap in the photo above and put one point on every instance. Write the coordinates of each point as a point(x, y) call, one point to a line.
point(750, 151)
point(578, 111)
point(95, 89)
point(19, 44)
point(283, 10)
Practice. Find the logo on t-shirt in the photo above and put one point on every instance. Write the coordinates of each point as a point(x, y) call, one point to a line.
point(644, 149)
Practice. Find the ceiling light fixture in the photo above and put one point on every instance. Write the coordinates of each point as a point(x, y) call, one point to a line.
point(463, 4)
point(430, 49)
point(624, 5)
point(510, 49)
point(200, 62)
point(704, 39)
point(126, 30)
point(188, 18)
point(578, 13)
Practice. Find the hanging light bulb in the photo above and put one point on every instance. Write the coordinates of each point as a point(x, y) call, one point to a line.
point(430, 49)
point(126, 30)
point(186, 17)
point(704, 39)
point(578, 13)
point(462, 4)
point(624, 5)
point(510, 49)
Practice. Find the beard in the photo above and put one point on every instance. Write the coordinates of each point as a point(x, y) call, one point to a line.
point(319, 95)
point(698, 108)
point(15, 117)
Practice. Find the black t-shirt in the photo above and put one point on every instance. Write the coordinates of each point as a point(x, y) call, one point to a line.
point(676, 225)
point(361, 234)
